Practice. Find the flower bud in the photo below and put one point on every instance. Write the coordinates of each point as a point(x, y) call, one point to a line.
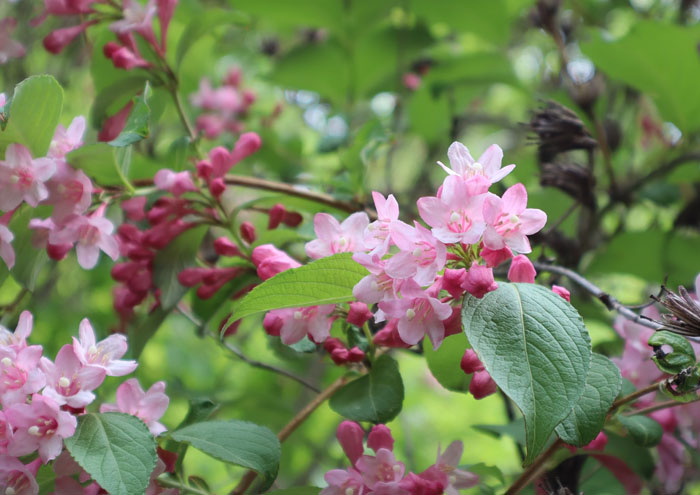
point(276, 215)
point(134, 208)
point(248, 232)
point(521, 270)
point(470, 362)
point(356, 355)
point(272, 324)
point(225, 247)
point(350, 436)
point(479, 280)
point(562, 291)
point(246, 145)
point(380, 438)
point(57, 40)
point(482, 385)
point(189, 277)
point(217, 187)
point(292, 219)
point(452, 281)
point(358, 314)
point(57, 252)
point(494, 257)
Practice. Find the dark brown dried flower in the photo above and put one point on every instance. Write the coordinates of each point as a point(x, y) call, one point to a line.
point(558, 130)
point(576, 181)
point(684, 312)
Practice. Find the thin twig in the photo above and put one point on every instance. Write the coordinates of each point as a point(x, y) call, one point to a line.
point(295, 422)
point(609, 301)
point(635, 395)
point(660, 405)
point(257, 364)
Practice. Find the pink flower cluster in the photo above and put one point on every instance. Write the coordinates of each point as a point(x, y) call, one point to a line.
point(50, 180)
point(41, 398)
point(418, 274)
point(223, 106)
point(382, 474)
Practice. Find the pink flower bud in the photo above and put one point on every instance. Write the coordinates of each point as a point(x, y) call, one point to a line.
point(380, 438)
point(276, 215)
point(233, 78)
point(598, 443)
point(453, 323)
point(165, 13)
point(225, 247)
point(356, 355)
point(411, 81)
point(57, 252)
point(389, 336)
point(272, 323)
point(470, 362)
point(57, 40)
point(134, 208)
point(248, 232)
point(246, 145)
point(479, 280)
point(494, 257)
point(113, 125)
point(482, 385)
point(206, 291)
point(122, 272)
point(350, 436)
point(141, 282)
point(204, 169)
point(358, 314)
point(340, 355)
point(292, 219)
point(452, 281)
point(521, 270)
point(129, 233)
point(189, 277)
point(109, 48)
point(123, 58)
point(231, 329)
point(221, 161)
point(333, 343)
point(217, 187)
point(562, 291)
point(249, 97)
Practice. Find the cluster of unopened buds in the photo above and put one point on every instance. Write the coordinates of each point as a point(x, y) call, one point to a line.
point(50, 180)
point(381, 473)
point(418, 275)
point(41, 400)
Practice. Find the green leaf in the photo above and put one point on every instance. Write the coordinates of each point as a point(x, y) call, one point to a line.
point(114, 97)
point(485, 19)
point(643, 430)
point(171, 260)
point(682, 355)
point(375, 397)
point(638, 459)
point(46, 478)
point(588, 416)
point(98, 161)
point(536, 348)
point(29, 261)
point(205, 23)
point(200, 410)
point(137, 124)
point(325, 281)
point(116, 450)
point(444, 363)
point(237, 442)
point(34, 112)
point(641, 60)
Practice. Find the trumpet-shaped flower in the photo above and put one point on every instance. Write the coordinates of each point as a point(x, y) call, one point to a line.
point(334, 237)
point(489, 164)
point(148, 406)
point(22, 178)
point(68, 381)
point(104, 354)
point(421, 255)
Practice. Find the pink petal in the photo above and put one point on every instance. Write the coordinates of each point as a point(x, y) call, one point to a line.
point(491, 160)
point(515, 199)
point(460, 158)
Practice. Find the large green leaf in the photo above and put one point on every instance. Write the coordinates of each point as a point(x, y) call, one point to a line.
point(643, 430)
point(641, 60)
point(99, 162)
point(536, 348)
point(375, 397)
point(138, 123)
point(237, 442)
point(486, 19)
point(588, 416)
point(34, 112)
point(325, 281)
point(206, 22)
point(116, 450)
point(444, 363)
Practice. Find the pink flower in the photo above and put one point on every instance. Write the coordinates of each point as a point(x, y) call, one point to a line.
point(376, 286)
point(448, 463)
point(22, 178)
point(174, 182)
point(9, 48)
point(456, 216)
point(137, 18)
point(40, 425)
point(334, 237)
point(66, 140)
point(377, 235)
point(16, 478)
point(149, 406)
point(92, 233)
point(381, 470)
point(419, 313)
point(489, 164)
point(7, 252)
point(421, 255)
point(19, 373)
point(411, 81)
point(270, 261)
point(521, 270)
point(298, 322)
point(68, 381)
point(509, 222)
point(104, 354)
point(18, 339)
point(479, 280)
point(343, 482)
point(70, 192)
point(57, 40)
point(224, 98)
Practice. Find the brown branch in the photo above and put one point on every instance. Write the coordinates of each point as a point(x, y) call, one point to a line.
point(660, 405)
point(533, 470)
point(609, 301)
point(635, 395)
point(295, 422)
